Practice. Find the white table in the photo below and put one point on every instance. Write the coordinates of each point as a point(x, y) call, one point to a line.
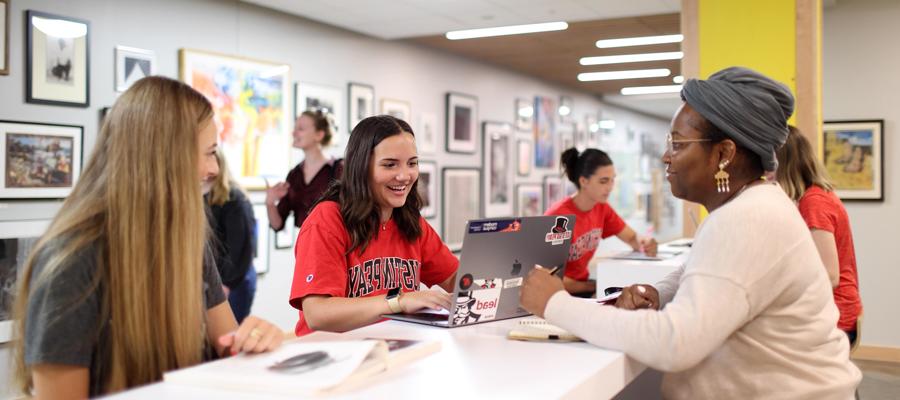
point(475, 362)
point(617, 272)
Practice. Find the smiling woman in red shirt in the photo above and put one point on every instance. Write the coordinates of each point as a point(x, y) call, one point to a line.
point(804, 179)
point(365, 248)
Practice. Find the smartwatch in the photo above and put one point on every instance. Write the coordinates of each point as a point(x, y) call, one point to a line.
point(393, 300)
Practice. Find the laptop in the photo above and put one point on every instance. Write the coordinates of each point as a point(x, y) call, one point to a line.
point(497, 254)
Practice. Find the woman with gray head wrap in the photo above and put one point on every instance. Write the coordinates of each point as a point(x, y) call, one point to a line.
point(750, 313)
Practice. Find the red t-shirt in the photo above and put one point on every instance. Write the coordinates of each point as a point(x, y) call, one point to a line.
point(823, 210)
point(591, 226)
point(388, 261)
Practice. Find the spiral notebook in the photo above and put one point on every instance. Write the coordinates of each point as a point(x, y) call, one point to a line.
point(538, 329)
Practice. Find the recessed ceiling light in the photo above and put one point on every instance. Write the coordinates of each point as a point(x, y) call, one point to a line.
point(678, 79)
point(627, 58)
point(507, 30)
point(628, 91)
point(631, 74)
point(564, 110)
point(639, 41)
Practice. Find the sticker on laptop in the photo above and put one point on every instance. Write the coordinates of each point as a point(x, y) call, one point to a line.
point(559, 232)
point(466, 281)
point(476, 306)
point(500, 225)
point(494, 283)
point(511, 283)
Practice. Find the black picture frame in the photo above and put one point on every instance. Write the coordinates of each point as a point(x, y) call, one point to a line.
point(37, 88)
point(465, 138)
point(11, 188)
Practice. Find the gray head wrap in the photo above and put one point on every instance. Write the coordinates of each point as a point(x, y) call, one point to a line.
point(749, 107)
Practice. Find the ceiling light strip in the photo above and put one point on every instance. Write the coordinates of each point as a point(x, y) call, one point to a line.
point(507, 30)
point(631, 74)
point(639, 41)
point(629, 58)
point(630, 91)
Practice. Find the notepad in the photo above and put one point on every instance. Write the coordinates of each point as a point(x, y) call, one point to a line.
point(538, 329)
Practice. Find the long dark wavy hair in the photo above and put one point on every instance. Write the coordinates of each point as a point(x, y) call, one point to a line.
point(353, 193)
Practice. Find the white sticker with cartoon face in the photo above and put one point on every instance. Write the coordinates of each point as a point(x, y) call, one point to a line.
point(476, 306)
point(494, 283)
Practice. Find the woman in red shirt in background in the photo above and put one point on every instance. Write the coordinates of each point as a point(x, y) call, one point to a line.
point(594, 175)
point(365, 247)
point(804, 179)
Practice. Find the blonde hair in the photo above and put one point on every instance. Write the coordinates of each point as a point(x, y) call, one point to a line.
point(798, 167)
point(139, 203)
point(220, 191)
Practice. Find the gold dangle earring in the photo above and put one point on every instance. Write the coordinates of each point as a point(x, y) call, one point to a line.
point(722, 185)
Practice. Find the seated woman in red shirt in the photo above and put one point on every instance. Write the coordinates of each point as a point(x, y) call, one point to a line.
point(805, 181)
point(593, 174)
point(364, 247)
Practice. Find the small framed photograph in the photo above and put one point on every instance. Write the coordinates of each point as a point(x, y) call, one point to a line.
point(853, 155)
point(329, 100)
point(360, 103)
point(461, 202)
point(284, 239)
point(524, 114)
point(427, 187)
point(462, 123)
point(427, 134)
point(4, 37)
point(39, 161)
point(396, 108)
point(132, 64)
point(261, 253)
point(528, 200)
point(553, 190)
point(57, 60)
point(497, 161)
point(525, 156)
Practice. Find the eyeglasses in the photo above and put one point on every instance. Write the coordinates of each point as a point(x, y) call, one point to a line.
point(671, 143)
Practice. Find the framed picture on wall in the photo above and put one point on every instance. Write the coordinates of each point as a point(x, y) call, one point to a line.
point(524, 114)
point(545, 153)
point(528, 200)
point(284, 239)
point(853, 155)
point(462, 123)
point(426, 136)
point(553, 190)
point(327, 99)
point(461, 201)
point(360, 103)
point(261, 231)
point(39, 161)
point(250, 102)
point(397, 108)
point(525, 156)
point(57, 60)
point(427, 187)
point(4, 37)
point(498, 178)
point(132, 64)
point(17, 244)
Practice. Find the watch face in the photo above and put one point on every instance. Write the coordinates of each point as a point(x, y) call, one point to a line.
point(393, 292)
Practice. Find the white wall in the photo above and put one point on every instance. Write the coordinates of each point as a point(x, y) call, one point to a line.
point(861, 80)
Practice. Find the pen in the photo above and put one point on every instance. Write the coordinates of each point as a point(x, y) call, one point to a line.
point(553, 270)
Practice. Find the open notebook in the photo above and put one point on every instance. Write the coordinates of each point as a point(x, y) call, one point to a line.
point(300, 368)
point(537, 329)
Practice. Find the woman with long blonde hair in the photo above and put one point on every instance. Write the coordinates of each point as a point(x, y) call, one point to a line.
point(119, 289)
point(804, 179)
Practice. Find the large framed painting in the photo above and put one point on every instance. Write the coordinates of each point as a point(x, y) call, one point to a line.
point(399, 109)
point(39, 161)
point(427, 187)
point(524, 115)
point(545, 153)
point(132, 64)
point(4, 37)
point(498, 165)
point(853, 154)
point(261, 233)
point(327, 99)
point(460, 203)
point(250, 101)
point(426, 136)
point(57, 60)
point(553, 190)
point(360, 103)
point(462, 123)
point(528, 200)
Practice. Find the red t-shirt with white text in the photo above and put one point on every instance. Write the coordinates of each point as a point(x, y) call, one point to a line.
point(823, 210)
point(591, 226)
point(389, 260)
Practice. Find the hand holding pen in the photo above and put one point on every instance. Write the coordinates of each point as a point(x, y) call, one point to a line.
point(539, 286)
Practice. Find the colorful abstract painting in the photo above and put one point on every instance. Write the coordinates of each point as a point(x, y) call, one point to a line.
point(250, 102)
point(545, 153)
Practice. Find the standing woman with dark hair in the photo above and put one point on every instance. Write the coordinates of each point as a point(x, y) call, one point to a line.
point(231, 218)
point(594, 175)
point(309, 179)
point(805, 181)
point(364, 248)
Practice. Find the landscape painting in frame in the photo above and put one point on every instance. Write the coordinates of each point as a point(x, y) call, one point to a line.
point(498, 165)
point(853, 154)
point(250, 101)
point(461, 203)
point(39, 161)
